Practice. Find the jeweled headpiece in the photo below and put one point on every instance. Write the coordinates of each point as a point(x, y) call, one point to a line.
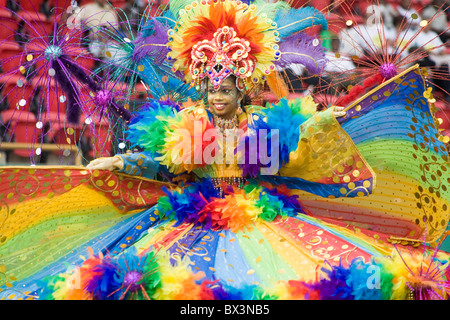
point(225, 54)
point(218, 38)
point(215, 39)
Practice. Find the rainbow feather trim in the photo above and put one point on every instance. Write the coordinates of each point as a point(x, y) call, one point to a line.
point(153, 275)
point(296, 20)
point(200, 204)
point(147, 128)
point(278, 124)
point(174, 138)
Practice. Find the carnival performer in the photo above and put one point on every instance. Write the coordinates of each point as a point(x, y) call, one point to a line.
point(276, 202)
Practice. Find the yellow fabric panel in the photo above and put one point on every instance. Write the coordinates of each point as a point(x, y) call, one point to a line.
point(29, 213)
point(396, 207)
point(326, 151)
point(302, 263)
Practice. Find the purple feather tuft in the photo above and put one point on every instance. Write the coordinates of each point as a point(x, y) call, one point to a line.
point(303, 49)
point(103, 285)
point(103, 98)
point(388, 70)
point(64, 69)
point(151, 43)
point(73, 109)
point(79, 73)
point(335, 287)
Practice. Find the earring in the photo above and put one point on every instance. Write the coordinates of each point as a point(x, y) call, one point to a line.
point(240, 85)
point(239, 109)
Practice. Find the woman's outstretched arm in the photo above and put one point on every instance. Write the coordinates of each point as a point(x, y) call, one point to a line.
point(136, 164)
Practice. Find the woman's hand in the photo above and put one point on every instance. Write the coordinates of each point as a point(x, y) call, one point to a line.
point(339, 112)
point(109, 163)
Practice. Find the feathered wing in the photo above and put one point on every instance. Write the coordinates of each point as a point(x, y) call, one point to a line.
point(396, 132)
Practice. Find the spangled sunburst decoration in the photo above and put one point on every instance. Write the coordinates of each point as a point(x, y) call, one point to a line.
point(384, 56)
point(426, 277)
point(53, 86)
point(131, 277)
point(138, 55)
point(41, 80)
point(55, 58)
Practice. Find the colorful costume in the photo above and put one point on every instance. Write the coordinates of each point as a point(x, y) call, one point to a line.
point(345, 210)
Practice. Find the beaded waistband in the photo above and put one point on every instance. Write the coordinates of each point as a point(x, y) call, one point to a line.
point(230, 181)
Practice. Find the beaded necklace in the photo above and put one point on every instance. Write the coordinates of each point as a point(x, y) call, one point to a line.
point(223, 124)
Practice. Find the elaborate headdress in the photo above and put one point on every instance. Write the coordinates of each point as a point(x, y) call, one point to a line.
point(215, 39)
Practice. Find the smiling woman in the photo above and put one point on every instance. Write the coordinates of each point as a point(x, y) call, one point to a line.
point(225, 100)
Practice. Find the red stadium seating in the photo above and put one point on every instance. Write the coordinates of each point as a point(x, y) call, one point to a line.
point(58, 6)
point(67, 135)
point(335, 23)
point(8, 28)
point(22, 129)
point(86, 62)
point(31, 15)
point(12, 58)
point(445, 116)
point(14, 95)
point(101, 140)
point(71, 36)
point(119, 3)
point(38, 28)
point(31, 5)
point(54, 110)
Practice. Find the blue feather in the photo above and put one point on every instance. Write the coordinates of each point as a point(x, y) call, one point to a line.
point(287, 121)
point(295, 20)
point(334, 286)
point(104, 285)
point(358, 280)
point(147, 123)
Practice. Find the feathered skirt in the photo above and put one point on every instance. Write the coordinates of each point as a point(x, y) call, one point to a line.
point(73, 234)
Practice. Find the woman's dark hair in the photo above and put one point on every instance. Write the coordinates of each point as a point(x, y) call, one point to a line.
point(246, 101)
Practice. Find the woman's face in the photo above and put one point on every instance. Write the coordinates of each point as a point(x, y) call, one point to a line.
point(225, 100)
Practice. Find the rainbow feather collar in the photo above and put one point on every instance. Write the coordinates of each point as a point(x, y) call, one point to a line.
point(186, 140)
